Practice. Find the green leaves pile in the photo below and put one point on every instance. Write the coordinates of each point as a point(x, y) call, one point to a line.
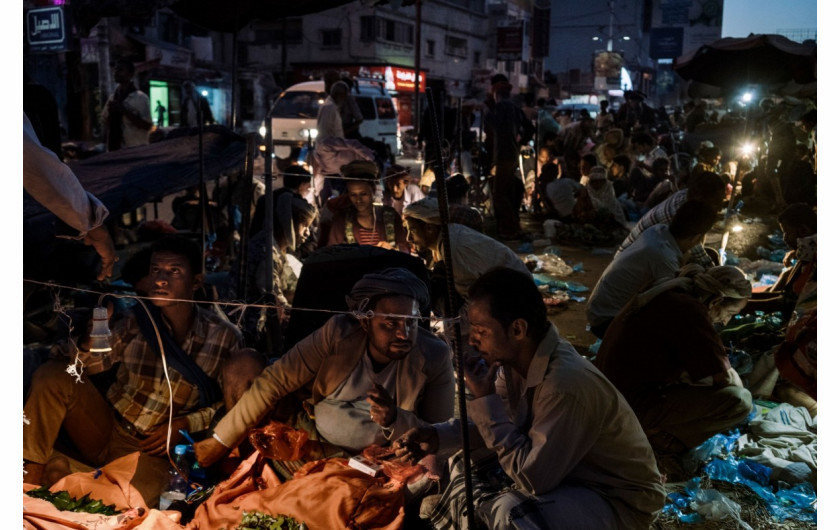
point(63, 501)
point(261, 521)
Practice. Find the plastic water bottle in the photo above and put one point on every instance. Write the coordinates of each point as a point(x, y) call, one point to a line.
point(178, 488)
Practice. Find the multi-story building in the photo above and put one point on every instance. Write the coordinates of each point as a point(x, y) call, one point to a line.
point(382, 41)
point(459, 45)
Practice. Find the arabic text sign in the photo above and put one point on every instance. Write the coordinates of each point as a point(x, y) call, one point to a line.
point(45, 28)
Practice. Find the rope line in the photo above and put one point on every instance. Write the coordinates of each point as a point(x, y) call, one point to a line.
point(239, 307)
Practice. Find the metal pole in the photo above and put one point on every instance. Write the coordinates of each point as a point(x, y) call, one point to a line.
point(268, 224)
point(245, 206)
point(443, 206)
point(459, 121)
point(202, 190)
point(234, 77)
point(284, 53)
point(417, 45)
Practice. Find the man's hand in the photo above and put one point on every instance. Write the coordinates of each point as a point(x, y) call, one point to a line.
point(155, 443)
point(787, 261)
point(729, 377)
point(416, 443)
point(480, 379)
point(101, 241)
point(383, 410)
point(209, 451)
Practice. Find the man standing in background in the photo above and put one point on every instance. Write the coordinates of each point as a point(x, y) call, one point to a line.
point(127, 116)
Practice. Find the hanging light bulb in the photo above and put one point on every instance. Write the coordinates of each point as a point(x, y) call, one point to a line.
point(100, 334)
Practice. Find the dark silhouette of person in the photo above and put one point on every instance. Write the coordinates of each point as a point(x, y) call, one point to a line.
point(160, 110)
point(40, 106)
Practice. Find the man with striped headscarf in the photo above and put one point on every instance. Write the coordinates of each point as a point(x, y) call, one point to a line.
point(666, 357)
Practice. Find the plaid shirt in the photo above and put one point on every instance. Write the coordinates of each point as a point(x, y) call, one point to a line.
point(664, 212)
point(140, 393)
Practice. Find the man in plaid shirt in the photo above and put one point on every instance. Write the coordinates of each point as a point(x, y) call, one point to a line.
point(135, 412)
point(708, 188)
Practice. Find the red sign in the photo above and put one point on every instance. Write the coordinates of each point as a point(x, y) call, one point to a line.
point(397, 78)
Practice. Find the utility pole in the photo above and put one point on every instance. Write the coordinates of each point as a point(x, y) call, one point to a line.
point(612, 21)
point(104, 49)
point(417, 45)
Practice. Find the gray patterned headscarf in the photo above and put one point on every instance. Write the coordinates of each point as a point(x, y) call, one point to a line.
point(426, 210)
point(723, 281)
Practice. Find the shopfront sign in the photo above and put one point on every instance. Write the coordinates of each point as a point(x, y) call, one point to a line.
point(46, 29)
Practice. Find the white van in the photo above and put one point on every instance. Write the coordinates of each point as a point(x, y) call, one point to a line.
point(294, 116)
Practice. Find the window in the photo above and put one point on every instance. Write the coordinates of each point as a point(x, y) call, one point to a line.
point(331, 38)
point(168, 28)
point(476, 58)
point(430, 48)
point(386, 30)
point(385, 109)
point(368, 29)
point(302, 104)
point(246, 99)
point(366, 106)
point(456, 47)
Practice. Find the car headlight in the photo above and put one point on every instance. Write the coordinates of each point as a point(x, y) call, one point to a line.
point(308, 133)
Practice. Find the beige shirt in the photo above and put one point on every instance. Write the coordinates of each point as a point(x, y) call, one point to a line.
point(566, 423)
point(321, 362)
point(474, 253)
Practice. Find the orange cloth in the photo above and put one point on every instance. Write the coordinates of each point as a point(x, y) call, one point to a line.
point(324, 494)
point(117, 484)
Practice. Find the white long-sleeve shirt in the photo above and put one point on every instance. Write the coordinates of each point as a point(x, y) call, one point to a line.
point(53, 184)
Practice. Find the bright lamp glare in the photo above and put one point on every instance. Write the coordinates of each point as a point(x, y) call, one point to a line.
point(737, 228)
point(262, 130)
point(594, 38)
point(747, 149)
point(747, 97)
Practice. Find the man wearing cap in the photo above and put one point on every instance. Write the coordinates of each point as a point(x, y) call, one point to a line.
point(473, 253)
point(634, 113)
point(357, 219)
point(398, 190)
point(368, 376)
